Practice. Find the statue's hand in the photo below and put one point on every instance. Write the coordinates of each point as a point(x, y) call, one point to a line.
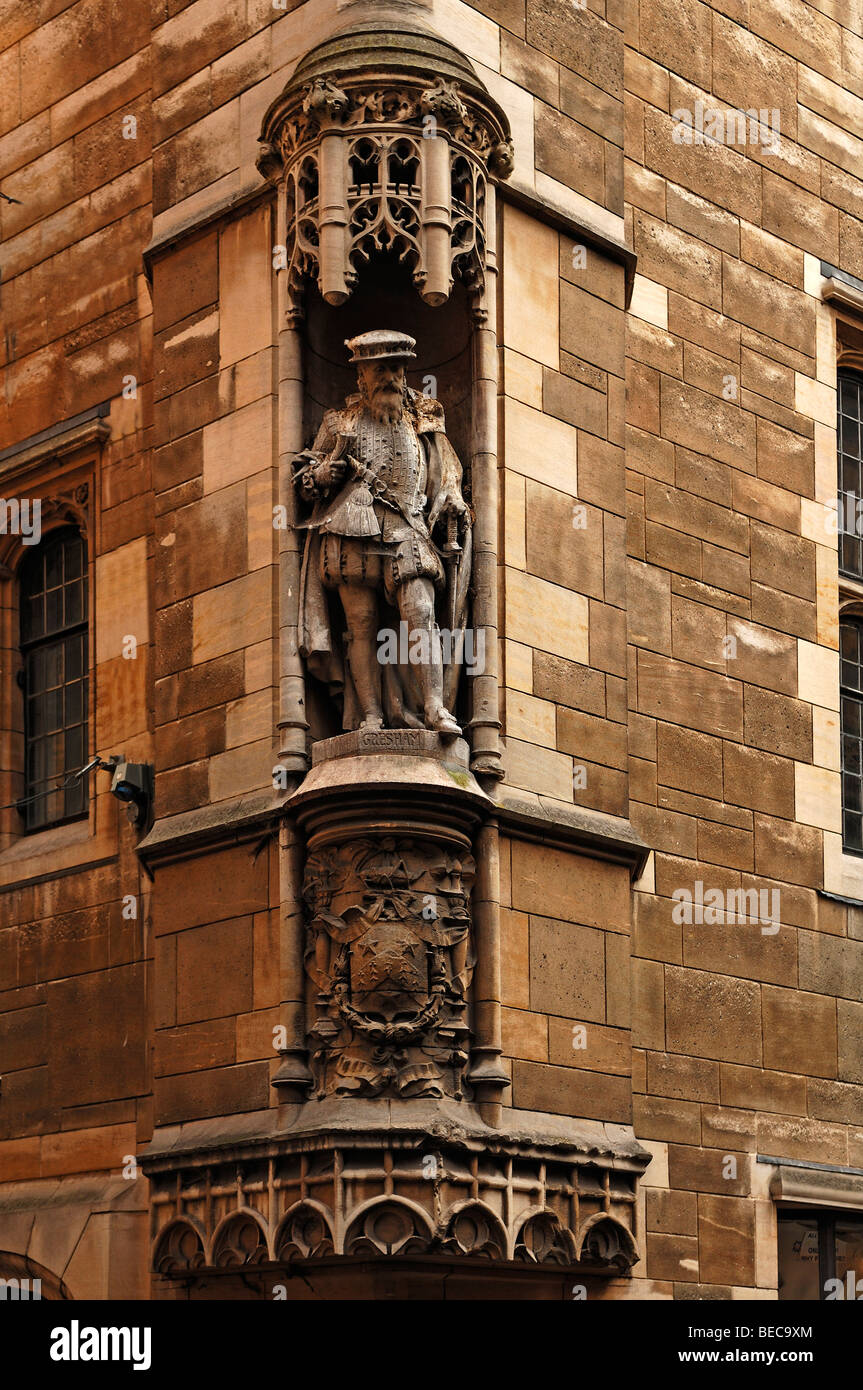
point(447, 503)
point(304, 477)
point(330, 473)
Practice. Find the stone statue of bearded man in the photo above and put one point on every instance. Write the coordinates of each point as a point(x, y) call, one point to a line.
point(390, 533)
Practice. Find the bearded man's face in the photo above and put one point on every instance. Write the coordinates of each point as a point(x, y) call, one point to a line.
point(382, 386)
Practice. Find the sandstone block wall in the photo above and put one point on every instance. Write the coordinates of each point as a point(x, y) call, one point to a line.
point(669, 594)
point(733, 618)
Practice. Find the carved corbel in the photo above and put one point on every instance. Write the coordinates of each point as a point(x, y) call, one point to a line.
point(325, 101)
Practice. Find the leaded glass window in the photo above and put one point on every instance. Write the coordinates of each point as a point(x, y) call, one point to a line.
point(55, 679)
point(850, 427)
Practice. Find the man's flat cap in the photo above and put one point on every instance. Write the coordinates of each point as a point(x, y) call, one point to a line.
point(381, 343)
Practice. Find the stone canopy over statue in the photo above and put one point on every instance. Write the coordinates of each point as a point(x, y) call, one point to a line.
point(389, 537)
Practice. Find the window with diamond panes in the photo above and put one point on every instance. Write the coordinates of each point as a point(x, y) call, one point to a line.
point(850, 474)
point(851, 698)
point(54, 651)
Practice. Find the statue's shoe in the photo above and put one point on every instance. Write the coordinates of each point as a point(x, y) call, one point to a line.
point(372, 725)
point(444, 724)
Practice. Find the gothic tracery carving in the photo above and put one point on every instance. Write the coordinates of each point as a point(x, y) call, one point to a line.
point(388, 1228)
point(240, 1242)
point(304, 1234)
point(399, 165)
point(355, 1196)
point(605, 1241)
point(475, 1231)
point(179, 1249)
point(542, 1240)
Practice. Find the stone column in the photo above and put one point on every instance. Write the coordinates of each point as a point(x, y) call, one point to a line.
point(488, 1078)
point(293, 1078)
point(293, 725)
point(485, 709)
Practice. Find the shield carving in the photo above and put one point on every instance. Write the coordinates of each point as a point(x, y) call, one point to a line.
point(389, 952)
point(389, 972)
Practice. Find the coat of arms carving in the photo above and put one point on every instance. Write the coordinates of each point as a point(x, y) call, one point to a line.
point(389, 953)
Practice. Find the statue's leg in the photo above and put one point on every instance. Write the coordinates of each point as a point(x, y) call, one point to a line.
point(361, 611)
point(416, 606)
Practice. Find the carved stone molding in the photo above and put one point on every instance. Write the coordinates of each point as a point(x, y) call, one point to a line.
point(71, 507)
point(382, 146)
point(435, 1183)
point(90, 428)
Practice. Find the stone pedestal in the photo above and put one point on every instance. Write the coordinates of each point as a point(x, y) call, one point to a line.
point(388, 820)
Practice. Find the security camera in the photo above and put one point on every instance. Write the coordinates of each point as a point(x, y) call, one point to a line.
point(133, 783)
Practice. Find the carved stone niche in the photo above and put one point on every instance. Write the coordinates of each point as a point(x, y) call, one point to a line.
point(385, 140)
point(384, 150)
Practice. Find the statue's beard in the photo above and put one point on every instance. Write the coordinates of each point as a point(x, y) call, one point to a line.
point(385, 405)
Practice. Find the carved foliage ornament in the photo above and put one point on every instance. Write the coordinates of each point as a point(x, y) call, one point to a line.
point(401, 169)
point(325, 107)
point(389, 952)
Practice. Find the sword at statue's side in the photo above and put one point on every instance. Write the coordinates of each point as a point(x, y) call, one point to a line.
point(452, 554)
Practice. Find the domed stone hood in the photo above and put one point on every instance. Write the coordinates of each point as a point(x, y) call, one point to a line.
point(376, 52)
point(381, 47)
point(385, 140)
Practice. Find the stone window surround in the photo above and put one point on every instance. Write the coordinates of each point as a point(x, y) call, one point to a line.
point(850, 607)
point(54, 463)
point(51, 1222)
point(804, 1185)
point(795, 1182)
point(844, 295)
